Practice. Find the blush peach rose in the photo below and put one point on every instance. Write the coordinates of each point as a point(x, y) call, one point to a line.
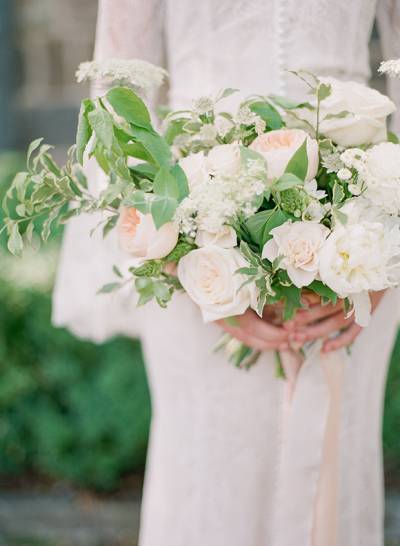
point(138, 235)
point(278, 147)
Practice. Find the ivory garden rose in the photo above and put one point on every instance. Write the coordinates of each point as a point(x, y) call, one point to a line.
point(367, 113)
point(224, 159)
point(279, 146)
point(195, 168)
point(139, 237)
point(225, 238)
point(298, 244)
point(209, 277)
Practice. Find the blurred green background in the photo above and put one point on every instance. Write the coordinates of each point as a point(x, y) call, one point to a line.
point(70, 410)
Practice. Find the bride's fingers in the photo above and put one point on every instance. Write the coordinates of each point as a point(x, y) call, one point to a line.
point(323, 329)
point(344, 339)
point(263, 329)
point(250, 340)
point(308, 316)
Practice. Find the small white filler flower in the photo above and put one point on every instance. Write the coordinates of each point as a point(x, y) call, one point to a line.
point(391, 68)
point(136, 73)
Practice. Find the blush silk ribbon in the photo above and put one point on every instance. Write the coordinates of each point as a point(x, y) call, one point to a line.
point(306, 505)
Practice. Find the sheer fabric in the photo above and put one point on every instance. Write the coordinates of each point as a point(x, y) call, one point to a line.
point(230, 460)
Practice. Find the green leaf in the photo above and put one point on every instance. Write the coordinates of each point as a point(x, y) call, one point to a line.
point(102, 124)
point(324, 291)
point(117, 272)
point(292, 301)
point(392, 137)
point(32, 147)
point(261, 223)
point(339, 115)
point(298, 164)
point(46, 227)
point(255, 225)
point(20, 184)
point(287, 181)
point(247, 154)
point(110, 225)
point(84, 130)
point(15, 243)
point(154, 145)
point(226, 93)
point(268, 113)
point(277, 218)
point(128, 105)
point(180, 177)
point(337, 193)
point(109, 287)
point(140, 200)
point(287, 104)
point(174, 129)
point(145, 170)
point(165, 184)
point(324, 90)
point(163, 209)
point(161, 291)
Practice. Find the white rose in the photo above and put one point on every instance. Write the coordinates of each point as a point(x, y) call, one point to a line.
point(278, 147)
point(299, 245)
point(224, 159)
point(139, 237)
point(209, 277)
point(368, 112)
point(194, 166)
point(225, 238)
point(381, 174)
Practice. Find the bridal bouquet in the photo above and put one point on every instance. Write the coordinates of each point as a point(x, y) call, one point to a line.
point(239, 209)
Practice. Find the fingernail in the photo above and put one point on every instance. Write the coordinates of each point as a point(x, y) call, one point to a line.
point(300, 337)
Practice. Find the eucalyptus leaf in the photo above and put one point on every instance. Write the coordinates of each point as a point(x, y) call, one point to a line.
point(163, 209)
point(130, 106)
point(154, 145)
point(102, 123)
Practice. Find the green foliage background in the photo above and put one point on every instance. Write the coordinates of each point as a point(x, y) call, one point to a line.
point(80, 412)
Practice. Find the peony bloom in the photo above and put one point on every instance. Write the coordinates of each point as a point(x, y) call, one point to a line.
point(139, 237)
point(299, 245)
point(278, 147)
point(359, 257)
point(368, 110)
point(209, 277)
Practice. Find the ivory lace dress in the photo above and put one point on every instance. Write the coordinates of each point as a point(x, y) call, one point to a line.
point(231, 461)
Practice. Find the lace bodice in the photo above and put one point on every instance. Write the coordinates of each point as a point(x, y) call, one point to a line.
point(206, 45)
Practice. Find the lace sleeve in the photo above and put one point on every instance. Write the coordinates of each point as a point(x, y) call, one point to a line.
point(389, 27)
point(125, 29)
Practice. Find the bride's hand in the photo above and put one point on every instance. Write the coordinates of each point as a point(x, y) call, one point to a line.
point(321, 321)
point(256, 333)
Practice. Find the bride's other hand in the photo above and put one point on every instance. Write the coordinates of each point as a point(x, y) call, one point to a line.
point(256, 333)
point(322, 321)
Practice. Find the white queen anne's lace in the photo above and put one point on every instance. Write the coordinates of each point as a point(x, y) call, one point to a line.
point(217, 201)
point(135, 72)
point(391, 68)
